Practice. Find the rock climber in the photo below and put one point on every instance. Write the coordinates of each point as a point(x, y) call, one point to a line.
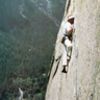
point(67, 42)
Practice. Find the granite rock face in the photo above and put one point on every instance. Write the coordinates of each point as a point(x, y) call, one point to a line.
point(82, 82)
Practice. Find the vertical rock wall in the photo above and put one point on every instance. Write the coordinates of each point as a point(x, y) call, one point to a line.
point(82, 82)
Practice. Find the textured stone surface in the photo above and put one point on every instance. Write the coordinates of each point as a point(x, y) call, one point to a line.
point(83, 79)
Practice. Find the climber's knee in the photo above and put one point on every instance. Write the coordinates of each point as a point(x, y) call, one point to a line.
point(68, 42)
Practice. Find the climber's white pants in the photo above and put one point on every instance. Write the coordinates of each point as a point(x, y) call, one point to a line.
point(64, 57)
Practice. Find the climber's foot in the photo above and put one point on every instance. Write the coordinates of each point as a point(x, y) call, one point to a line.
point(64, 70)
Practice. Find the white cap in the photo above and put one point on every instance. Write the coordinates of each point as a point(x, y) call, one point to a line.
point(71, 17)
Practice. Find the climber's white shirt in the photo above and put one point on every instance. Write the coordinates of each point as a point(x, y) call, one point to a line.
point(66, 27)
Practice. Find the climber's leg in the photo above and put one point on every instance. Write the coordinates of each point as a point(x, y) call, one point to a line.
point(69, 53)
point(64, 60)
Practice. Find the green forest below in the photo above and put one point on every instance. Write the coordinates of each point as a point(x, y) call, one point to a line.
point(28, 30)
